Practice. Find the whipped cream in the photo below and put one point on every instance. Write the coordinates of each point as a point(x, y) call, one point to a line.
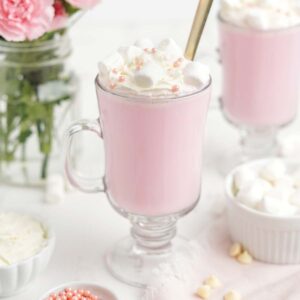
point(270, 188)
point(21, 237)
point(146, 69)
point(261, 14)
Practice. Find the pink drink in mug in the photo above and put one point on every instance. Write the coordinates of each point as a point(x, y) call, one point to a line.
point(153, 151)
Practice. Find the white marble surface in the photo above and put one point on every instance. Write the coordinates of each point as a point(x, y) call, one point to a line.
point(86, 225)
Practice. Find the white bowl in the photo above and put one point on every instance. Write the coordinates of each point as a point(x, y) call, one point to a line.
point(16, 277)
point(97, 290)
point(271, 239)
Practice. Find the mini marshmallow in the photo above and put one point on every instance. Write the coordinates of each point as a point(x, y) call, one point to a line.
point(115, 60)
point(55, 189)
point(130, 53)
point(149, 75)
point(252, 194)
point(170, 48)
point(295, 198)
point(270, 3)
point(256, 18)
point(243, 176)
point(144, 43)
point(228, 4)
point(273, 170)
point(286, 180)
point(282, 193)
point(277, 207)
point(196, 74)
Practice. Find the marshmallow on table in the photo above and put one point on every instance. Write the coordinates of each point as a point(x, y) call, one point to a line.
point(115, 60)
point(273, 170)
point(149, 75)
point(130, 53)
point(144, 43)
point(55, 189)
point(170, 48)
point(252, 194)
point(243, 177)
point(196, 74)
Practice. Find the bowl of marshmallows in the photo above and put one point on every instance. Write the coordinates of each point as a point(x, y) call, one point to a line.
point(263, 198)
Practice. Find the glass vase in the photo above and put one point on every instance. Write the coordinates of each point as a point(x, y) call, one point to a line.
point(37, 92)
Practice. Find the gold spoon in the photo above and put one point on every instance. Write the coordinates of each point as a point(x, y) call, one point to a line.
point(201, 15)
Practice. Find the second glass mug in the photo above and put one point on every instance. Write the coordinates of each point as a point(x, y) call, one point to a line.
point(261, 70)
point(153, 164)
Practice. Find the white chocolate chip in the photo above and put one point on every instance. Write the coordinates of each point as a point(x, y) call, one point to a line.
point(235, 249)
point(245, 258)
point(144, 43)
point(149, 75)
point(130, 53)
point(204, 291)
point(212, 281)
point(232, 295)
point(115, 60)
point(196, 74)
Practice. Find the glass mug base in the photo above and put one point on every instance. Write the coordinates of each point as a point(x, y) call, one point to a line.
point(135, 268)
point(153, 241)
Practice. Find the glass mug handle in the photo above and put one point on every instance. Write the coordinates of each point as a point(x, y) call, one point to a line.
point(87, 185)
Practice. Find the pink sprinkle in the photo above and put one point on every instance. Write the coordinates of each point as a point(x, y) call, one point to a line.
point(113, 85)
point(176, 64)
point(114, 70)
point(153, 50)
point(121, 79)
point(175, 88)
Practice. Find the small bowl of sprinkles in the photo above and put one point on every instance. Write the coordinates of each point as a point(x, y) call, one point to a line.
point(79, 291)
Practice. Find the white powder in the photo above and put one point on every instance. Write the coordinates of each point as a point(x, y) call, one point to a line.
point(175, 279)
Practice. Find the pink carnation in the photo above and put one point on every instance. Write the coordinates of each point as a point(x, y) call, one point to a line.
point(22, 20)
point(61, 16)
point(84, 4)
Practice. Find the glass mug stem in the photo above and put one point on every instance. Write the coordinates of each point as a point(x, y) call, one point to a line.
point(258, 142)
point(87, 185)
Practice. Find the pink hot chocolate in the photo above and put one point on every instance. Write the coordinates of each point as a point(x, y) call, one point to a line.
point(153, 151)
point(261, 71)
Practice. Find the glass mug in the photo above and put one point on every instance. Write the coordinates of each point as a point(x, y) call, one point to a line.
point(261, 71)
point(153, 162)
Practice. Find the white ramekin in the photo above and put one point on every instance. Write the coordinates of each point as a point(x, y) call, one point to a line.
point(271, 239)
point(102, 293)
point(15, 278)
